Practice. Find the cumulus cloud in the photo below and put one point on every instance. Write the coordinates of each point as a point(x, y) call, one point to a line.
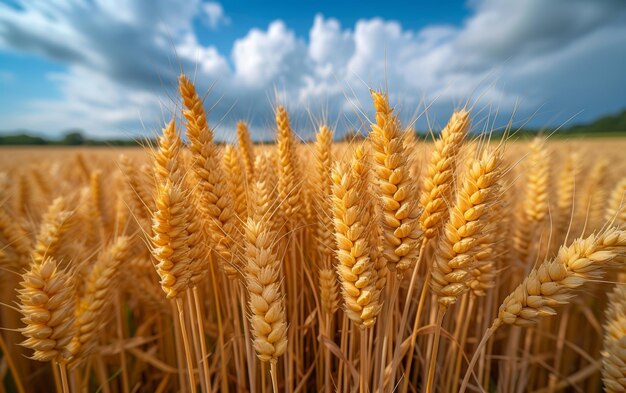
point(562, 55)
point(271, 56)
point(214, 15)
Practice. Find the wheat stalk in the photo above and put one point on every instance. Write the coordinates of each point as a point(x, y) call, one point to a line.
point(614, 353)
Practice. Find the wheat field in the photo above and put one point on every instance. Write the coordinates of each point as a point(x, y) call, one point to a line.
point(384, 264)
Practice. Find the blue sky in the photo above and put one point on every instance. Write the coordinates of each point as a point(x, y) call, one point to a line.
point(299, 15)
point(109, 66)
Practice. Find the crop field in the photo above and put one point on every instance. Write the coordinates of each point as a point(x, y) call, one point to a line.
point(461, 263)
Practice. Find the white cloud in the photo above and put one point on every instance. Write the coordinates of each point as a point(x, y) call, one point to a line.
point(329, 45)
point(272, 56)
point(564, 54)
point(214, 15)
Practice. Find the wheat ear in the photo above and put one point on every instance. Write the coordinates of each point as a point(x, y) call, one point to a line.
point(237, 179)
point(46, 300)
point(534, 205)
point(263, 280)
point(361, 169)
point(170, 238)
point(168, 166)
point(213, 197)
point(166, 156)
point(437, 185)
point(565, 189)
point(400, 209)
point(136, 195)
point(53, 226)
point(616, 207)
point(486, 255)
point(289, 177)
point(267, 188)
point(551, 284)
point(356, 270)
point(246, 149)
point(99, 204)
point(614, 353)
point(18, 247)
point(323, 204)
point(329, 295)
point(92, 306)
point(455, 260)
point(593, 196)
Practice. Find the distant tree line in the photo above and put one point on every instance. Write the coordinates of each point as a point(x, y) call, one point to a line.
point(606, 126)
point(612, 125)
point(70, 138)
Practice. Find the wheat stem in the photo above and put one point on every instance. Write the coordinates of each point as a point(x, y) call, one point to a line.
point(274, 377)
point(470, 368)
point(441, 312)
point(11, 364)
point(418, 316)
point(185, 337)
point(63, 373)
point(405, 311)
point(203, 350)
